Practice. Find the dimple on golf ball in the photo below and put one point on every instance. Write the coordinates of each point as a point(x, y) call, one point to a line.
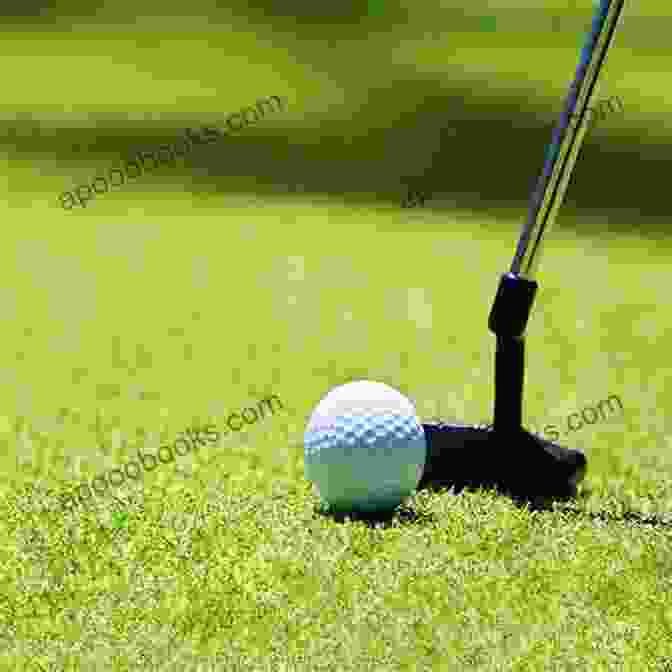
point(364, 448)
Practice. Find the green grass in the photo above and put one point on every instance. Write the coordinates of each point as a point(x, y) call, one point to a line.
point(230, 562)
point(203, 289)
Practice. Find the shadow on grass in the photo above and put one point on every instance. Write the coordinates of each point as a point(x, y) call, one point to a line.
point(533, 502)
point(632, 517)
point(571, 506)
point(402, 515)
point(627, 517)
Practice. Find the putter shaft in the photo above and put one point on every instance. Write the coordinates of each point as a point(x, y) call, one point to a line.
point(515, 295)
point(567, 139)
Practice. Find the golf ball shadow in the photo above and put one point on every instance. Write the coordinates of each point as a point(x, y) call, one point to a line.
point(402, 515)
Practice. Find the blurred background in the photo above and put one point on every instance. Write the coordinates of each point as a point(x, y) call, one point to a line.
point(455, 100)
point(359, 232)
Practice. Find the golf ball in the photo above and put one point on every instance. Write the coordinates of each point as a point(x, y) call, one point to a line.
point(364, 448)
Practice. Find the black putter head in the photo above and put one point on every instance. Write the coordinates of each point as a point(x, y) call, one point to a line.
point(517, 463)
point(503, 455)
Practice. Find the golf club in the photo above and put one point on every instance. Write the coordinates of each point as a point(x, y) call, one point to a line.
point(504, 454)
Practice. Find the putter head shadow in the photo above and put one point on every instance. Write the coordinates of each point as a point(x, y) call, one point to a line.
point(517, 463)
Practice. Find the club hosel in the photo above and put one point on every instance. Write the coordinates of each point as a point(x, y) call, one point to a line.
point(512, 305)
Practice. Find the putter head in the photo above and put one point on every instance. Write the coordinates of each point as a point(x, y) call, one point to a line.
point(515, 462)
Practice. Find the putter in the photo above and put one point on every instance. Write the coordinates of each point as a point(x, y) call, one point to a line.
point(505, 455)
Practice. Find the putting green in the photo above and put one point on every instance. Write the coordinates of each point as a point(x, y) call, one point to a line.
point(281, 262)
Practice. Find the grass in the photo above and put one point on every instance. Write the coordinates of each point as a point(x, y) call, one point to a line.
point(199, 292)
point(223, 558)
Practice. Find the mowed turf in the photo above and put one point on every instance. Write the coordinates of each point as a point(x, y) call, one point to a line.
point(163, 307)
point(230, 562)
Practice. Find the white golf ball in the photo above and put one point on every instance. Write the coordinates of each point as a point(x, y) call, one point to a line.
point(364, 448)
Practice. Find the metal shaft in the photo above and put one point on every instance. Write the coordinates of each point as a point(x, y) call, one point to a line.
point(567, 138)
